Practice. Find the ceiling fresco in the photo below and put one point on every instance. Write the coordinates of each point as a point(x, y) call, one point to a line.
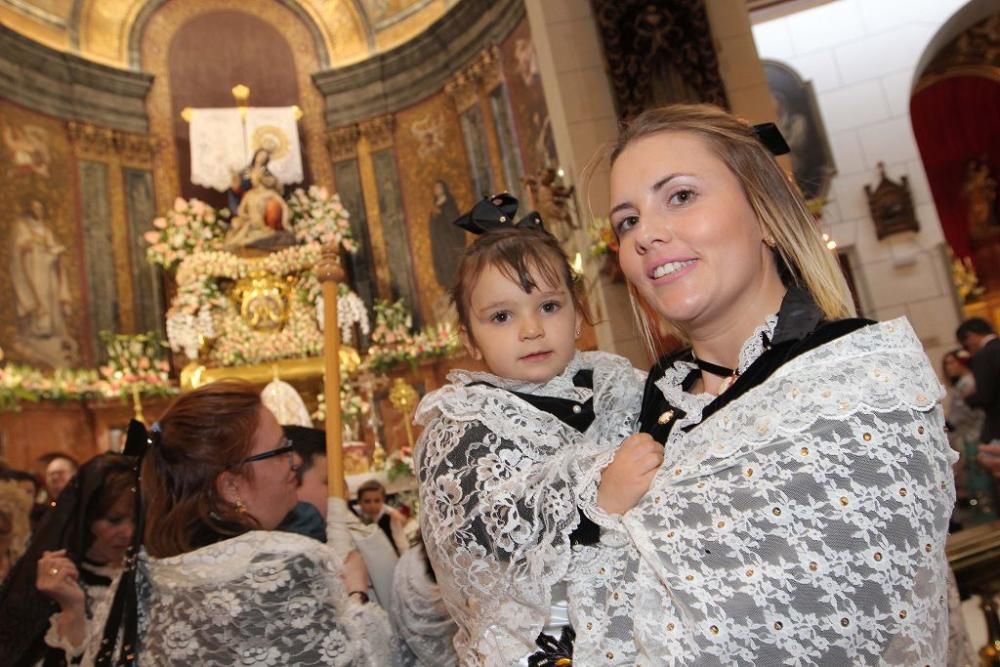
point(110, 31)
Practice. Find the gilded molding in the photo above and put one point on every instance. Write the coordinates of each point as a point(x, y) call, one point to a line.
point(378, 131)
point(463, 89)
point(342, 142)
point(482, 74)
point(136, 149)
point(91, 140)
point(101, 142)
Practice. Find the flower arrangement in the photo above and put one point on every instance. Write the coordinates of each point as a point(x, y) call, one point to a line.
point(135, 362)
point(201, 311)
point(603, 241)
point(393, 342)
point(353, 408)
point(399, 463)
point(351, 310)
point(319, 217)
point(192, 226)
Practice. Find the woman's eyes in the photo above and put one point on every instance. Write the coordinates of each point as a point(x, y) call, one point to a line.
point(680, 197)
point(625, 224)
point(683, 196)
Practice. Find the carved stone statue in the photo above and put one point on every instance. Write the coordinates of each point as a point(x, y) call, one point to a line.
point(263, 219)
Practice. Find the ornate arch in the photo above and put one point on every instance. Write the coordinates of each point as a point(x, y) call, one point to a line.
point(135, 31)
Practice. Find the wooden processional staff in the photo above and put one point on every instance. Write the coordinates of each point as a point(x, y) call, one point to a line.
point(330, 274)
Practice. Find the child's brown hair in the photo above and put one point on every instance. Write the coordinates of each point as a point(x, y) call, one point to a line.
point(519, 254)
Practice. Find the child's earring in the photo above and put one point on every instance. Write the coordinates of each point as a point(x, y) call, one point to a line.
point(578, 333)
point(769, 242)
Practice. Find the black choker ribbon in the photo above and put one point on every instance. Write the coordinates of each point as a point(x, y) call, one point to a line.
point(497, 212)
point(714, 369)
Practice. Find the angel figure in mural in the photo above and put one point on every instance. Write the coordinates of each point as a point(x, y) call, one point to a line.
point(41, 289)
point(28, 148)
point(551, 198)
point(262, 219)
point(428, 130)
point(979, 189)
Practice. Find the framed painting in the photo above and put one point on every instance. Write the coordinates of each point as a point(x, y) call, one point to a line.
point(800, 121)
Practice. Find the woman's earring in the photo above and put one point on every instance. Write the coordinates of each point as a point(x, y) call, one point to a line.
point(240, 507)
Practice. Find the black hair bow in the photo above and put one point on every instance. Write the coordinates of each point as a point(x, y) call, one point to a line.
point(497, 212)
point(769, 135)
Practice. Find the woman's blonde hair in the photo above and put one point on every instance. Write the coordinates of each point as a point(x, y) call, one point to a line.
point(801, 256)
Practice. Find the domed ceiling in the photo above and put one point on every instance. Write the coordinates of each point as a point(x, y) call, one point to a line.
point(109, 31)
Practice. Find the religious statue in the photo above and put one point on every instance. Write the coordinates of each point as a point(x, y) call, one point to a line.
point(41, 290)
point(263, 219)
point(979, 189)
point(551, 198)
point(241, 179)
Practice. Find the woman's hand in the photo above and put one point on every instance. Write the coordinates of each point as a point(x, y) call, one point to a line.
point(355, 574)
point(59, 579)
point(627, 477)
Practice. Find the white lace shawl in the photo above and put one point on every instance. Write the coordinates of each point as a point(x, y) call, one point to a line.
point(262, 598)
point(423, 625)
point(499, 484)
point(802, 524)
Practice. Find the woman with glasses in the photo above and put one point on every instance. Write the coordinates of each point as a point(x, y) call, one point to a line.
point(216, 583)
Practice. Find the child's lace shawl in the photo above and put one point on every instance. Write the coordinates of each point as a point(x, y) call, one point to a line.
point(499, 484)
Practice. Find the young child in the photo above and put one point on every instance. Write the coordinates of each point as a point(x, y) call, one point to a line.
point(505, 452)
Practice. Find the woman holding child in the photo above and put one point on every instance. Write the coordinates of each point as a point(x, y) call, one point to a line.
point(786, 494)
point(800, 511)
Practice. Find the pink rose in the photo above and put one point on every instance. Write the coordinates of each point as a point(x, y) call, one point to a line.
point(151, 237)
point(180, 205)
point(160, 223)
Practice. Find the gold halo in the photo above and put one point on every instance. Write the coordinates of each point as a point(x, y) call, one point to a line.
point(271, 138)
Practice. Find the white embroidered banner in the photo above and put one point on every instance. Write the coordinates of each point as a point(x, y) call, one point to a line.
point(275, 129)
point(217, 147)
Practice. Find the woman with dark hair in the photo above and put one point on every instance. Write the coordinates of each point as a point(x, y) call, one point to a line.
point(216, 582)
point(69, 565)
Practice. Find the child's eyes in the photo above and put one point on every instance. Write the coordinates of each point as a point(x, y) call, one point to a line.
point(500, 317)
point(551, 306)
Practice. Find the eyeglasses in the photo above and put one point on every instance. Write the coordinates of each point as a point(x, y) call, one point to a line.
point(284, 447)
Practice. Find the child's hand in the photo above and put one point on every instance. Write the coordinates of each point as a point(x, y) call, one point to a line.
point(627, 478)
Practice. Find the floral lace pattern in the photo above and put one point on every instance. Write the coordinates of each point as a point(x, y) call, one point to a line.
point(801, 524)
point(263, 598)
point(499, 484)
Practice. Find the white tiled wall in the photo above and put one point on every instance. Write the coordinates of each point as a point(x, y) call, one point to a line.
point(861, 57)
